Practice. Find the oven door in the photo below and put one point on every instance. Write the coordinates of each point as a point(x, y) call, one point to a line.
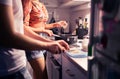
point(54, 68)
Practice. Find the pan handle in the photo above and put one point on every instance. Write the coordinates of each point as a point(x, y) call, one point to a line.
point(56, 35)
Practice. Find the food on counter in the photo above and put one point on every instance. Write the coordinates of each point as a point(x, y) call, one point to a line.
point(74, 50)
point(74, 46)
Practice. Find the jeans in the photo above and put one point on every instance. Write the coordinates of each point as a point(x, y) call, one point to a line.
point(34, 54)
point(21, 74)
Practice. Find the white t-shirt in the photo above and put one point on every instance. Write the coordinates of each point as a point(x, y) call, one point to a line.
point(12, 60)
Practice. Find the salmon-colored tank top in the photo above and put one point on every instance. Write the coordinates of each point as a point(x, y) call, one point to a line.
point(34, 13)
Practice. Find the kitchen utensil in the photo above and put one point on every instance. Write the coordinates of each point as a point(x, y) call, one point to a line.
point(70, 39)
point(55, 35)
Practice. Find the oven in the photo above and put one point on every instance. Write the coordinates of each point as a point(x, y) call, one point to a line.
point(54, 68)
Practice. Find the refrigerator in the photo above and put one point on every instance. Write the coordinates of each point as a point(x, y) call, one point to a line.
point(104, 45)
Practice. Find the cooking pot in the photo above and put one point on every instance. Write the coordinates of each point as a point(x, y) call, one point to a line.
point(69, 38)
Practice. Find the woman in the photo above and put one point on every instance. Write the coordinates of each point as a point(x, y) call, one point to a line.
point(35, 18)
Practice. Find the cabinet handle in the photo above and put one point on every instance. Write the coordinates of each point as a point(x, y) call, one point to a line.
point(69, 72)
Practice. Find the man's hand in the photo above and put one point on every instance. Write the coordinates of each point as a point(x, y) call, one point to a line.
point(56, 47)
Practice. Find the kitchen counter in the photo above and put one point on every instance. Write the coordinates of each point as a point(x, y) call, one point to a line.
point(79, 59)
point(82, 62)
point(68, 65)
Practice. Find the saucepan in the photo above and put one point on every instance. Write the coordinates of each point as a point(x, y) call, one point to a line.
point(69, 38)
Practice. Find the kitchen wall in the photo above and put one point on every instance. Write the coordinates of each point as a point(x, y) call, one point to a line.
point(68, 13)
point(60, 14)
point(85, 13)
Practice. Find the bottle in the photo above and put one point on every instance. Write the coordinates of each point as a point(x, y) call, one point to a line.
point(80, 21)
point(85, 23)
point(79, 30)
point(85, 27)
point(52, 20)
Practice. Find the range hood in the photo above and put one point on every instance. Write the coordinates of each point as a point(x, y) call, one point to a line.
point(72, 3)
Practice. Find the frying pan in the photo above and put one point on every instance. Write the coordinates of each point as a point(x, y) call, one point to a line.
point(69, 38)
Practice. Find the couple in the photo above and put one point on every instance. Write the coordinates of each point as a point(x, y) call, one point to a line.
point(17, 36)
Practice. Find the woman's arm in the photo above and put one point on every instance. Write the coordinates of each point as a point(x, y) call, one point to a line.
point(39, 29)
point(56, 24)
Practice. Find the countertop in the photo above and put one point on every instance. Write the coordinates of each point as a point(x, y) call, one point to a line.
point(82, 62)
point(80, 59)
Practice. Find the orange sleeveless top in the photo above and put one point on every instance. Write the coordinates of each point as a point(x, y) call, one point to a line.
point(34, 13)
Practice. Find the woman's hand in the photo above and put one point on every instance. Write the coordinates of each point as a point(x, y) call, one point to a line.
point(56, 47)
point(63, 24)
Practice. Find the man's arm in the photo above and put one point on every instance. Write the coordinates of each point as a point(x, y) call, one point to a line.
point(10, 38)
point(29, 32)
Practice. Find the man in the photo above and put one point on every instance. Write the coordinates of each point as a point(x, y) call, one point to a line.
point(13, 39)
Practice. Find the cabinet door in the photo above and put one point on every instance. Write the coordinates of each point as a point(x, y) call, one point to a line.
point(69, 71)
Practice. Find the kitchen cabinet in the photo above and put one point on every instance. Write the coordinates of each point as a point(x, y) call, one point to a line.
point(50, 3)
point(64, 67)
point(64, 3)
point(73, 3)
point(71, 71)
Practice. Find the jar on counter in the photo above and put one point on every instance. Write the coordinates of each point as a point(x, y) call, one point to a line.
point(85, 43)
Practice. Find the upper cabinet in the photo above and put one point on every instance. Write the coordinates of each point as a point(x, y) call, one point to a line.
point(50, 3)
point(73, 3)
point(65, 3)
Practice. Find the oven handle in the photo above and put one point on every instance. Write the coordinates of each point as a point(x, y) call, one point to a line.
point(55, 64)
